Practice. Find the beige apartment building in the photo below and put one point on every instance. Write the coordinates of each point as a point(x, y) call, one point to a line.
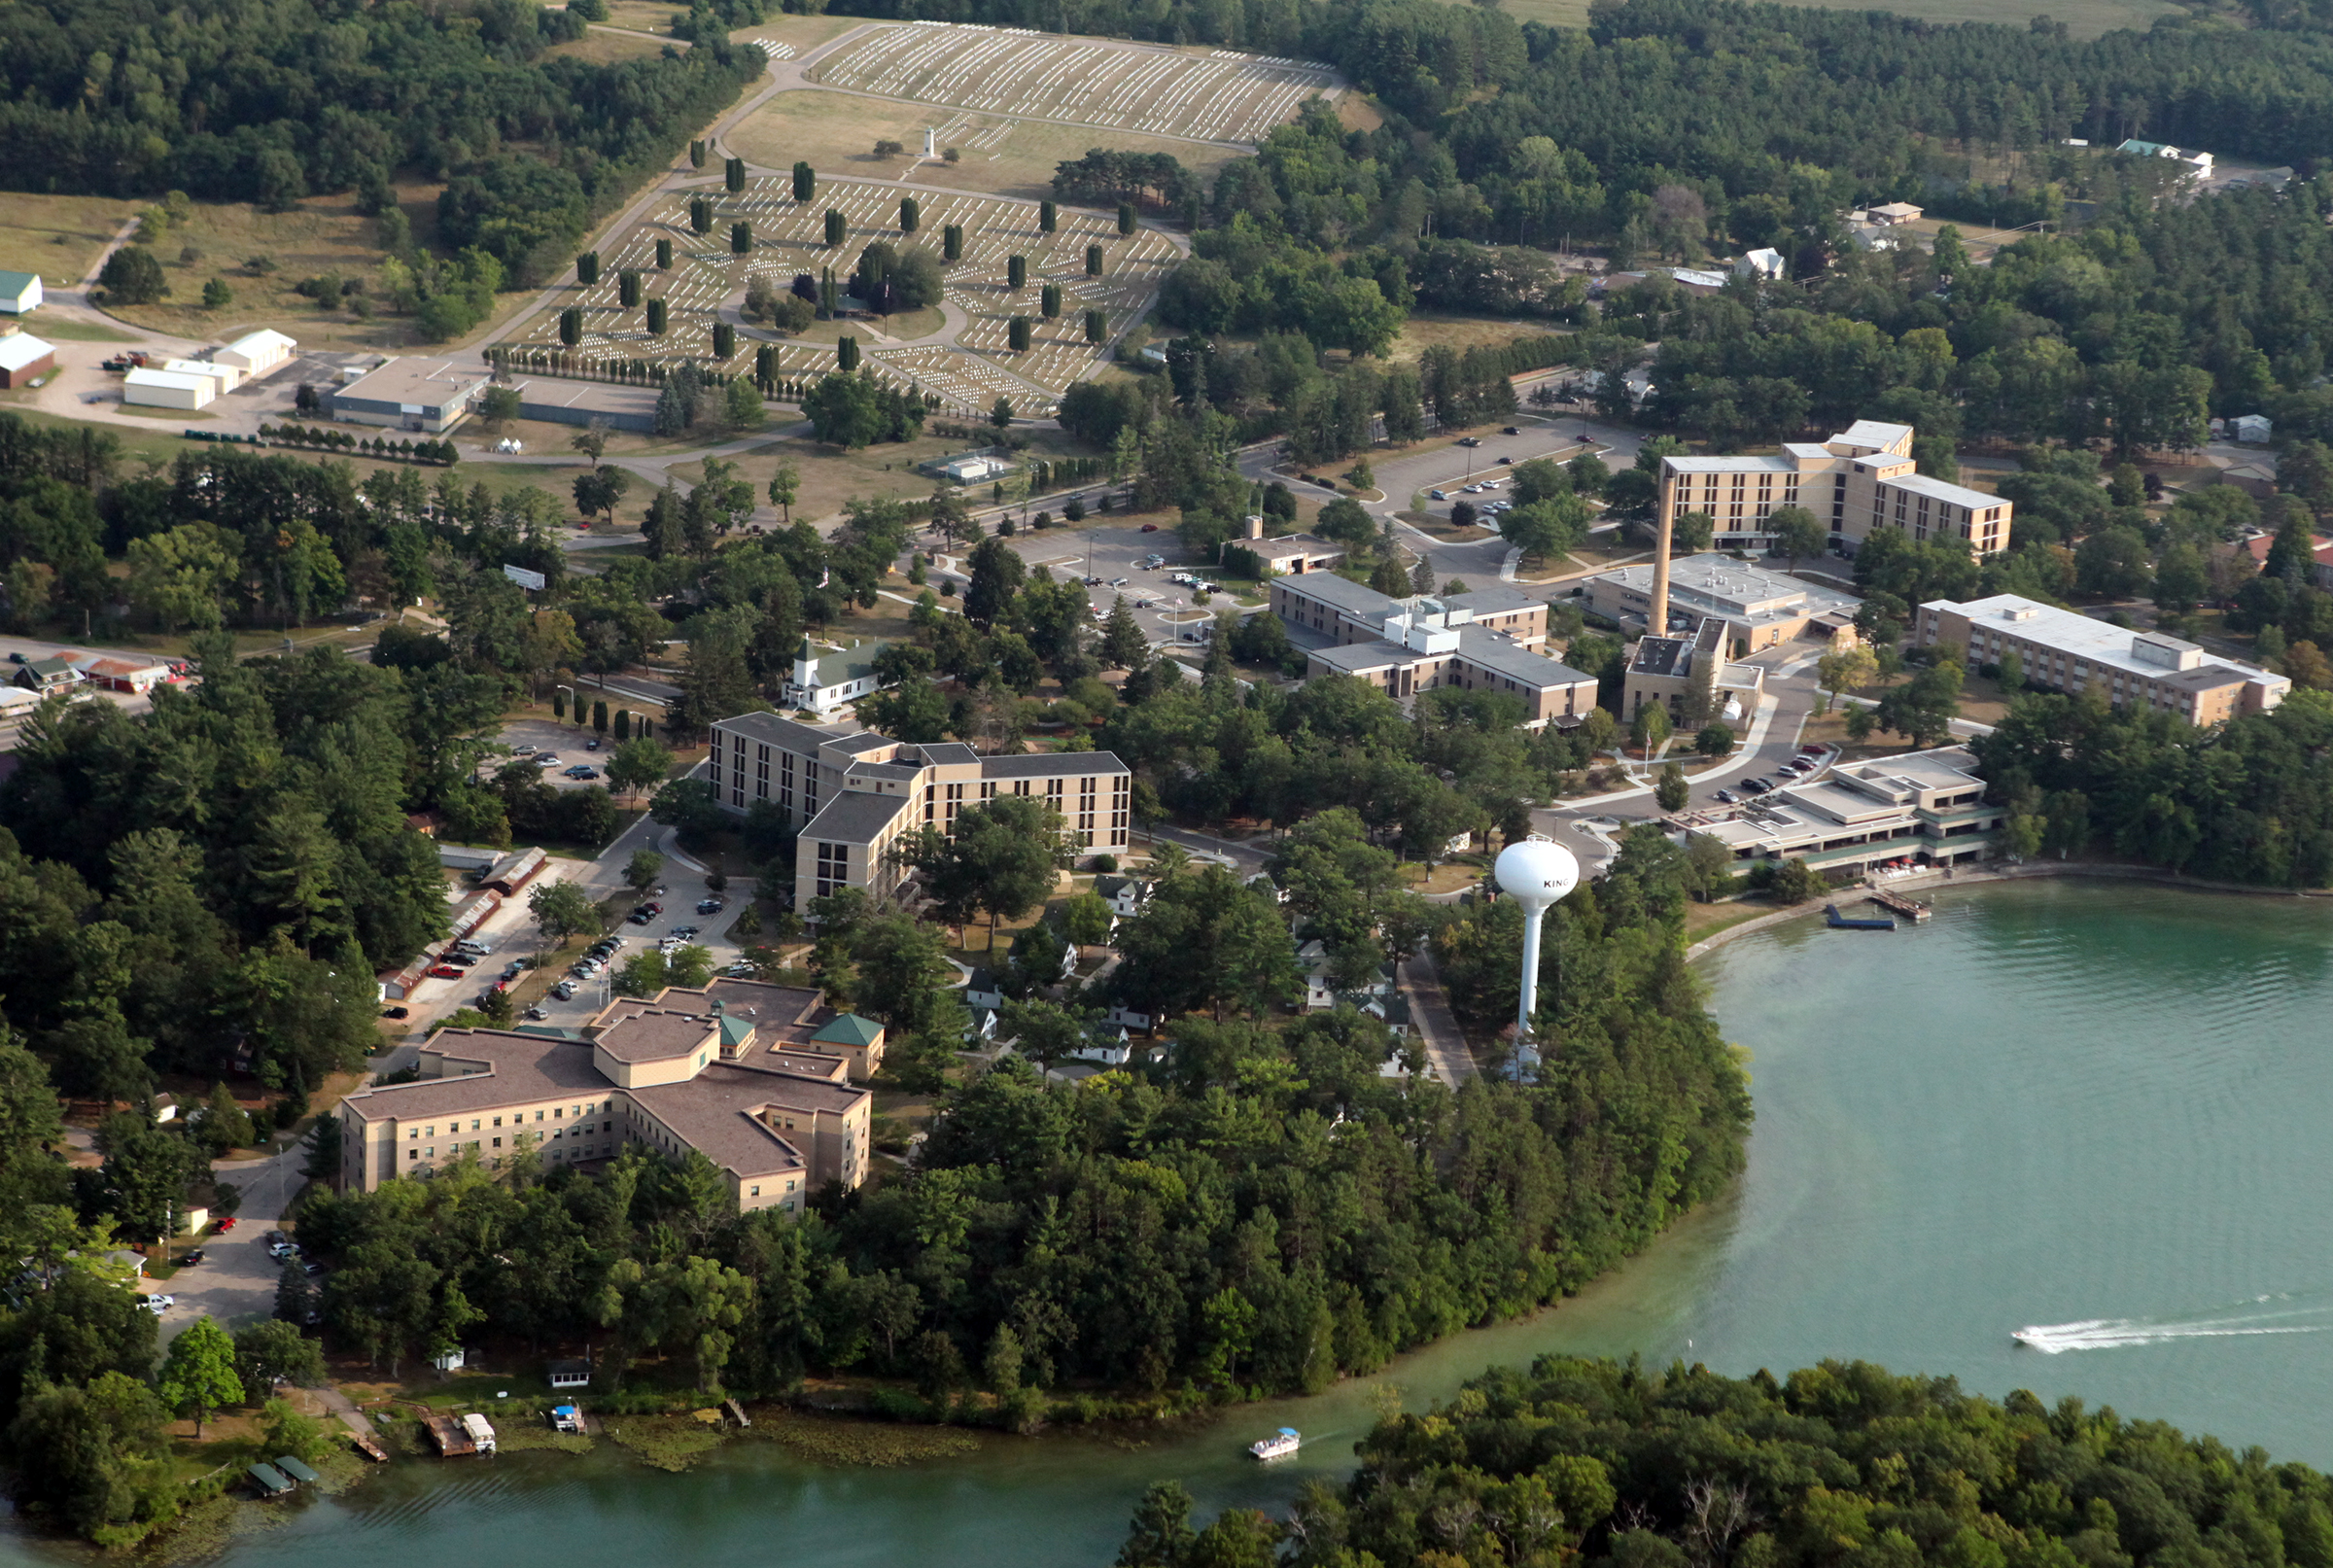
point(2064, 651)
point(686, 1069)
point(1860, 480)
point(1486, 641)
point(858, 794)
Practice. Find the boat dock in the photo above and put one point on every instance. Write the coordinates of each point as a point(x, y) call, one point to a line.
point(1911, 909)
point(1842, 922)
point(452, 1439)
point(737, 1413)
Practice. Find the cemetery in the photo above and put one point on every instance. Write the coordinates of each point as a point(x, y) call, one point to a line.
point(967, 362)
point(1212, 95)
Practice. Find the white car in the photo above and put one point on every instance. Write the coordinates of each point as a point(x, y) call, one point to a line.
point(158, 1305)
point(1436, 494)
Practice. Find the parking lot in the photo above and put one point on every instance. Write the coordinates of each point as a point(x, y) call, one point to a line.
point(1118, 550)
point(535, 739)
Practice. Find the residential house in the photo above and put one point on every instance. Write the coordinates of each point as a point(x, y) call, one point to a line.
point(829, 679)
point(1759, 263)
point(1125, 896)
point(982, 990)
point(46, 676)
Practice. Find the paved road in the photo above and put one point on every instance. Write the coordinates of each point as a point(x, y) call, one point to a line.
point(1437, 1027)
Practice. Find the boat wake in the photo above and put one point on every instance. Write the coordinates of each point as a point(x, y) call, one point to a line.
point(2281, 1314)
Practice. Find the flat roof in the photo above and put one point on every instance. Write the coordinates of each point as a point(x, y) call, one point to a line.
point(428, 383)
point(2079, 637)
point(655, 1035)
point(855, 817)
point(1726, 586)
point(556, 392)
point(1489, 650)
point(1051, 765)
point(1959, 494)
point(715, 1113)
point(1328, 588)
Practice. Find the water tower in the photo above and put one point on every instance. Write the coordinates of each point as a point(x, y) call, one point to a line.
point(1535, 873)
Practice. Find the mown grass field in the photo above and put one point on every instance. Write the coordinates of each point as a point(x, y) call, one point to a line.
point(2085, 19)
point(57, 236)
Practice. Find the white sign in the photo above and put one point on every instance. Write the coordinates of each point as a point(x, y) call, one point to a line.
point(523, 578)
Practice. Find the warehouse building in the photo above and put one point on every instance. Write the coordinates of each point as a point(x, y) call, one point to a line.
point(423, 396)
point(24, 358)
point(256, 354)
point(149, 388)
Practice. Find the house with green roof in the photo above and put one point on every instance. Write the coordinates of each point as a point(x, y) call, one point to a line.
point(20, 293)
point(828, 678)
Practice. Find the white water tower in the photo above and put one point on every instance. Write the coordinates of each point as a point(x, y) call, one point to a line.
point(1535, 873)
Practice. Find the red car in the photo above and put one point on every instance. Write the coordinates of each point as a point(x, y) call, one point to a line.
point(445, 971)
point(1150, 528)
point(223, 1224)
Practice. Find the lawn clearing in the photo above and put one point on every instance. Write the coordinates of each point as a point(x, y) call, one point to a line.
point(1212, 95)
point(789, 241)
point(1426, 329)
point(2084, 19)
point(58, 237)
point(836, 132)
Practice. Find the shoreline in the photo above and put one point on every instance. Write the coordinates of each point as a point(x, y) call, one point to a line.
point(2103, 872)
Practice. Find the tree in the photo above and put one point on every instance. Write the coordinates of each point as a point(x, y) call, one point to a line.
point(1160, 1535)
point(131, 276)
point(1924, 707)
point(498, 406)
point(805, 182)
point(1649, 727)
point(562, 908)
point(1797, 533)
point(638, 764)
point(199, 1371)
point(644, 871)
point(1043, 1031)
point(1087, 920)
point(783, 488)
point(1672, 791)
point(1002, 858)
point(1000, 413)
point(1796, 881)
point(1714, 740)
point(216, 296)
point(1849, 669)
point(1124, 646)
point(275, 1351)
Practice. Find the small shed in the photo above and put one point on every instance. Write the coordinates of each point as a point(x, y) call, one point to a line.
point(24, 357)
point(571, 1374)
point(515, 871)
point(20, 293)
point(297, 1471)
point(271, 1481)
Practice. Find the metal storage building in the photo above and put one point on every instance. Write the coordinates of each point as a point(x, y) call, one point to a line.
point(168, 389)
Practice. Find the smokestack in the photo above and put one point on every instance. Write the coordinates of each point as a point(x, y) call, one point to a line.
point(1657, 615)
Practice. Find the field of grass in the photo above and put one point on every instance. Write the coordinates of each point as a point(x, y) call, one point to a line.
point(804, 33)
point(323, 235)
point(1425, 330)
point(2085, 19)
point(836, 132)
point(79, 331)
point(57, 236)
point(604, 46)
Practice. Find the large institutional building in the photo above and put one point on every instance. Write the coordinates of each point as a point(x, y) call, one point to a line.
point(1760, 608)
point(1859, 481)
point(1923, 808)
point(856, 795)
point(2069, 653)
point(1489, 640)
point(753, 1076)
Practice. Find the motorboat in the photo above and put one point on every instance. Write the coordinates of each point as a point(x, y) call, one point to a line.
point(1279, 1445)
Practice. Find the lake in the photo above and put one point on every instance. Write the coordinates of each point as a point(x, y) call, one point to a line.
point(2091, 1108)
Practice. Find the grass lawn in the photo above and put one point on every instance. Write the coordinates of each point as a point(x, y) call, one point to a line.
point(804, 33)
point(1434, 330)
point(1707, 920)
point(2085, 19)
point(57, 236)
point(836, 133)
point(604, 46)
point(78, 332)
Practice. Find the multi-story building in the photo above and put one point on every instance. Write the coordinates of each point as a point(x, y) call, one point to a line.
point(2063, 652)
point(1485, 641)
point(855, 796)
point(1859, 480)
point(1693, 675)
point(1926, 808)
point(686, 1069)
point(1760, 608)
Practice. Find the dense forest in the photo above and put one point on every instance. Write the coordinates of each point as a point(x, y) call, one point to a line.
point(1622, 1466)
point(240, 100)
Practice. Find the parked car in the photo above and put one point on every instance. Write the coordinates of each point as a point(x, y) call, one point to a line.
point(640, 917)
point(711, 906)
point(740, 971)
point(311, 1270)
point(653, 907)
point(191, 1259)
point(1508, 459)
point(685, 931)
point(1469, 440)
point(592, 745)
point(1150, 528)
point(565, 991)
point(462, 960)
point(397, 1012)
point(1436, 494)
point(1508, 430)
point(587, 774)
point(536, 1012)
point(473, 945)
point(158, 1305)
point(548, 759)
point(1728, 797)
point(1754, 787)
point(223, 1225)
point(444, 971)
point(524, 750)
